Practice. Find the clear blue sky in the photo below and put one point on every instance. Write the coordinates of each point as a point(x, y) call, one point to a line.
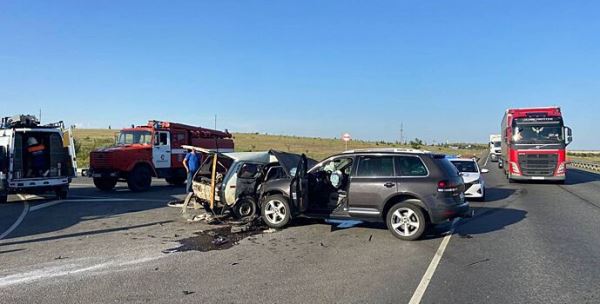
point(447, 69)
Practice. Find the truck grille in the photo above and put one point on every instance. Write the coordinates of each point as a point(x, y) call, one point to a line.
point(100, 160)
point(538, 164)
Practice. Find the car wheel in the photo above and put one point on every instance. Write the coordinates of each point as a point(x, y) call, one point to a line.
point(105, 184)
point(275, 211)
point(483, 195)
point(406, 221)
point(139, 179)
point(244, 208)
point(3, 198)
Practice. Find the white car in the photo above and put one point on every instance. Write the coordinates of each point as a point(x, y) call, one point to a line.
point(471, 173)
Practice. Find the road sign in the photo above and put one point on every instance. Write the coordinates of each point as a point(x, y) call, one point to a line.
point(346, 137)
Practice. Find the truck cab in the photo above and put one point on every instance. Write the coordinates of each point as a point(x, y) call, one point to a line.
point(153, 150)
point(534, 142)
point(34, 158)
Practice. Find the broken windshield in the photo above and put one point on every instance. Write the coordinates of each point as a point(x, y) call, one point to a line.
point(134, 137)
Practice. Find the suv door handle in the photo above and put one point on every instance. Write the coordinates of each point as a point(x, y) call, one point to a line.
point(389, 185)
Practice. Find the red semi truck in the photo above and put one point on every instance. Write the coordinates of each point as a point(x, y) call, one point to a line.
point(534, 142)
point(153, 150)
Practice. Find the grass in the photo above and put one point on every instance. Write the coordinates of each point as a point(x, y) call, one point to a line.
point(317, 148)
point(589, 159)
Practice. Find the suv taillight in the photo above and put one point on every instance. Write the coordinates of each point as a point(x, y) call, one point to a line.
point(446, 186)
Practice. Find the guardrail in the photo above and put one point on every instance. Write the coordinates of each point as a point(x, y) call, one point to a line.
point(585, 165)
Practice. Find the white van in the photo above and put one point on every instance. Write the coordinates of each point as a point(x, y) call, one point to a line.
point(35, 159)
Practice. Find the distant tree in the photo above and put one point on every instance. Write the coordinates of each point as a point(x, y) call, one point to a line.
point(416, 143)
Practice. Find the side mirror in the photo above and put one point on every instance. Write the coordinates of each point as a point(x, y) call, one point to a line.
point(568, 135)
point(485, 170)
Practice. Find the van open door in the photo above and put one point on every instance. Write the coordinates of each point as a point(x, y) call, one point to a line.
point(299, 187)
point(69, 144)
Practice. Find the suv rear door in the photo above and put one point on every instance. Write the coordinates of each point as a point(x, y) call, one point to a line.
point(371, 184)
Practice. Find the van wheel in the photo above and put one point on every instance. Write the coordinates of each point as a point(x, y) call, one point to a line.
point(61, 192)
point(406, 221)
point(275, 211)
point(139, 179)
point(105, 184)
point(244, 208)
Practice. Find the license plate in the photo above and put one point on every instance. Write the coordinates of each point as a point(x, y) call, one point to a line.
point(96, 175)
point(538, 177)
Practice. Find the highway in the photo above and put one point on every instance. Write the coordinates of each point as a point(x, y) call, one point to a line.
point(528, 243)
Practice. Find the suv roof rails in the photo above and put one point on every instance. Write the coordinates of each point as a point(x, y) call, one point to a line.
point(388, 150)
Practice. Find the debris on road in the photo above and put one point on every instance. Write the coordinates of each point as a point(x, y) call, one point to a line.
point(220, 238)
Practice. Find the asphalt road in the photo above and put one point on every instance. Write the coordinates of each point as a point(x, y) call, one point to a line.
point(529, 243)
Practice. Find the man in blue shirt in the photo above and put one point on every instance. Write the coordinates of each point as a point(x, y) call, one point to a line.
point(191, 162)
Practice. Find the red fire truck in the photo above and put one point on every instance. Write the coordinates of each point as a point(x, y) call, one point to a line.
point(154, 150)
point(534, 142)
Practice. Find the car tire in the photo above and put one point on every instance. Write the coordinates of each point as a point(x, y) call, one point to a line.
point(105, 184)
point(275, 211)
point(245, 208)
point(61, 192)
point(139, 179)
point(483, 195)
point(406, 221)
point(3, 198)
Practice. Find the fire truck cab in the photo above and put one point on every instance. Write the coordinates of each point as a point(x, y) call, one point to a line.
point(153, 150)
point(34, 158)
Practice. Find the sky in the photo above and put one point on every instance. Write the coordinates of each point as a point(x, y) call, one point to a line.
point(444, 70)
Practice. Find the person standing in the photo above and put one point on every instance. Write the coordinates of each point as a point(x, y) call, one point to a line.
point(191, 162)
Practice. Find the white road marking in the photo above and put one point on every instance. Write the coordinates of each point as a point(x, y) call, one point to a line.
point(486, 160)
point(69, 269)
point(19, 220)
point(420, 291)
point(53, 203)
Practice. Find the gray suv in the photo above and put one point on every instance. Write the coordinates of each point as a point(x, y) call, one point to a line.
point(408, 190)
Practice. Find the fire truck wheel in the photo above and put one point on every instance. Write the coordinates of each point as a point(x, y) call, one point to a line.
point(139, 179)
point(176, 181)
point(61, 192)
point(244, 208)
point(105, 184)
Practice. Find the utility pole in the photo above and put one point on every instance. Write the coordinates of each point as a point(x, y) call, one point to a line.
point(401, 132)
point(215, 121)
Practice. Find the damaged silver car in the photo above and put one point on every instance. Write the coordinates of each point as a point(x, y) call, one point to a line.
point(230, 181)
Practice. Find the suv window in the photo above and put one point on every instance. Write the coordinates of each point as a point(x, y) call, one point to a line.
point(410, 166)
point(371, 166)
